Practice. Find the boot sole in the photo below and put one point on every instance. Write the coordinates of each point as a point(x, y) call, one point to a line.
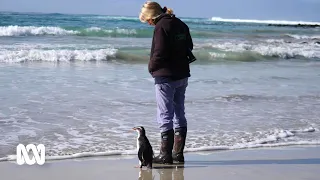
point(178, 162)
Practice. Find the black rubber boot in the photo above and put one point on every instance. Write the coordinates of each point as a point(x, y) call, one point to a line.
point(179, 143)
point(165, 156)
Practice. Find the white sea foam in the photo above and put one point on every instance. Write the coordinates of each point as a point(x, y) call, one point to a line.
point(4, 159)
point(269, 48)
point(121, 31)
point(303, 36)
point(264, 21)
point(33, 30)
point(270, 141)
point(30, 46)
point(126, 31)
point(310, 129)
point(247, 146)
point(55, 55)
point(78, 155)
point(217, 55)
point(93, 29)
point(199, 149)
point(117, 30)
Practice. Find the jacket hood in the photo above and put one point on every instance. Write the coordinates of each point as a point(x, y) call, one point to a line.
point(163, 15)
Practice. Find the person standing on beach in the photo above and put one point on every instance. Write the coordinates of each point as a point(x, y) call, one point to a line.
point(169, 66)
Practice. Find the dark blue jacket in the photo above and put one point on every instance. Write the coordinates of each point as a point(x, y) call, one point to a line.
point(170, 44)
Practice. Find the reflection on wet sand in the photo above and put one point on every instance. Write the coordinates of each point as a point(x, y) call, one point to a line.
point(164, 172)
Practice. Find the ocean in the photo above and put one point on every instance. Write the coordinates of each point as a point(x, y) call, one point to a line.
point(79, 83)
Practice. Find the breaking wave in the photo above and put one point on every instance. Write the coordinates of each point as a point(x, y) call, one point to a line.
point(270, 49)
point(311, 37)
point(11, 31)
point(33, 31)
point(211, 52)
point(14, 31)
point(14, 56)
point(264, 21)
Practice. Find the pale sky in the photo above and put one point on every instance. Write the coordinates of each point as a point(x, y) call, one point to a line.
point(306, 10)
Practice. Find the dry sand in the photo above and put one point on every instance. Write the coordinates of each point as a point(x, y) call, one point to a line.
point(289, 163)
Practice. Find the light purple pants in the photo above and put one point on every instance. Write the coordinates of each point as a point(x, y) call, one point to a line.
point(170, 104)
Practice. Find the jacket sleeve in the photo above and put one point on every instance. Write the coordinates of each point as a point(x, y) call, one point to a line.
point(161, 49)
point(189, 40)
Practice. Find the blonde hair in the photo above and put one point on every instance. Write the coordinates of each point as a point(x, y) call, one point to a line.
point(152, 10)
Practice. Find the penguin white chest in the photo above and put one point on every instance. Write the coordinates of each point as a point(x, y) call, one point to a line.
point(138, 147)
point(138, 144)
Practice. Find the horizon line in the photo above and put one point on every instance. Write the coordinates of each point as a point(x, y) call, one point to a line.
point(212, 17)
point(39, 12)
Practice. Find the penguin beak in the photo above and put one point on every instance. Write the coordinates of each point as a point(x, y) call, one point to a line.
point(136, 128)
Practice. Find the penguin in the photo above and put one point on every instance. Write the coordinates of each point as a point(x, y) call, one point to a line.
point(145, 151)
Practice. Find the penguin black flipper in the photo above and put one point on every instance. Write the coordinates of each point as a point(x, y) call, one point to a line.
point(140, 154)
point(147, 154)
